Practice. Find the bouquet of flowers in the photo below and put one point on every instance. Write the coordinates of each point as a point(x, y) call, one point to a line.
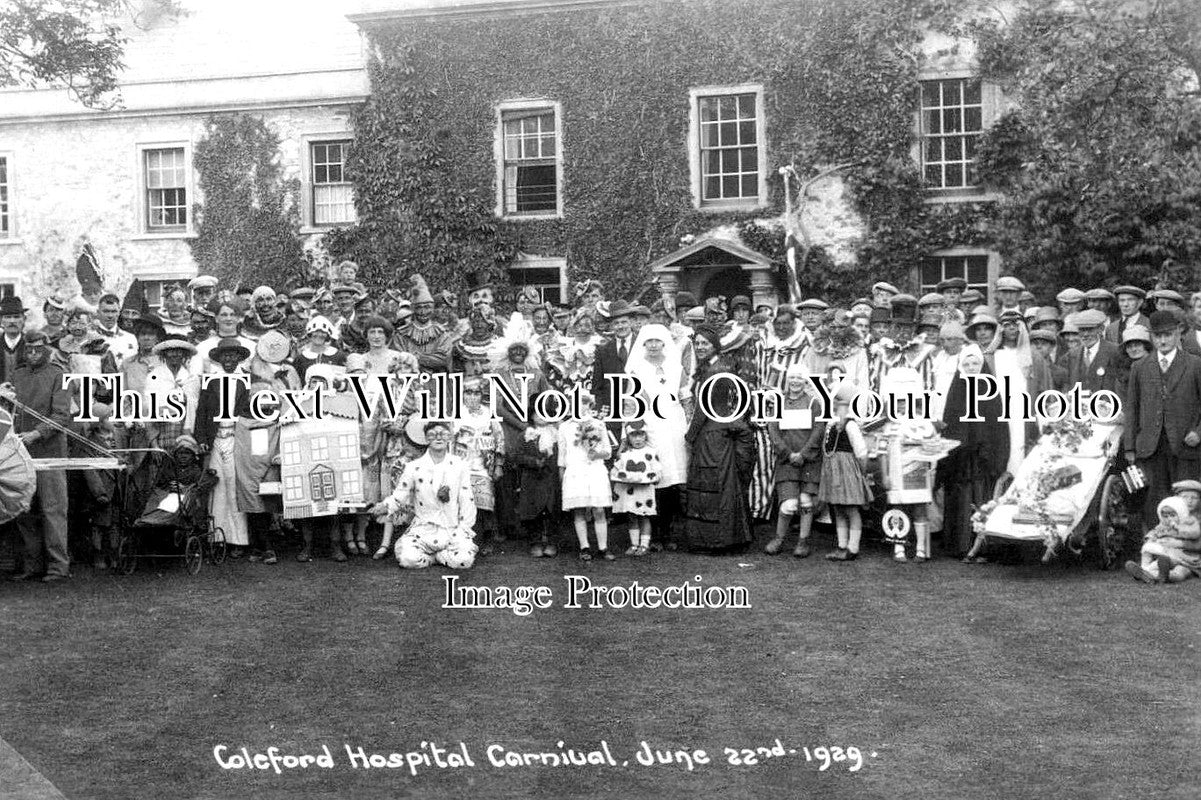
point(1067, 434)
point(592, 436)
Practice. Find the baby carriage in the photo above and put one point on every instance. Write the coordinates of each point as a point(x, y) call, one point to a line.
point(1068, 494)
point(172, 519)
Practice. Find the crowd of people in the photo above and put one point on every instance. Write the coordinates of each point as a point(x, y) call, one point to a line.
point(439, 491)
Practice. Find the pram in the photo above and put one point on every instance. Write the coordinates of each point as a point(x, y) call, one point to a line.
point(169, 513)
point(1068, 493)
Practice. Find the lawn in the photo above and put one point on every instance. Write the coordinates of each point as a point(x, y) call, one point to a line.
point(1021, 681)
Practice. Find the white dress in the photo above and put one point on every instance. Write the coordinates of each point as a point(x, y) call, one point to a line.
point(585, 479)
point(667, 428)
point(1008, 365)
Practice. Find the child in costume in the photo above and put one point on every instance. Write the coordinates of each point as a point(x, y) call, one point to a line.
point(584, 446)
point(634, 474)
point(537, 481)
point(796, 439)
point(844, 485)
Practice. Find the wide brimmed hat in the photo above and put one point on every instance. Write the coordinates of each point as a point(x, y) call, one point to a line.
point(274, 347)
point(319, 323)
point(229, 345)
point(187, 442)
point(619, 308)
point(175, 344)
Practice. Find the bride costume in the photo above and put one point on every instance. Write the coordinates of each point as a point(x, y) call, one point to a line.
point(669, 383)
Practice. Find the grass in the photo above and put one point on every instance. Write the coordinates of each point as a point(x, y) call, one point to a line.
point(989, 681)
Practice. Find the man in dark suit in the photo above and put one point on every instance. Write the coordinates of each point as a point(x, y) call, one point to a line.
point(12, 347)
point(1098, 364)
point(1163, 412)
point(611, 360)
point(1130, 302)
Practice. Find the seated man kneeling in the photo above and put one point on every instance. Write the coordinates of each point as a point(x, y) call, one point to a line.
point(436, 491)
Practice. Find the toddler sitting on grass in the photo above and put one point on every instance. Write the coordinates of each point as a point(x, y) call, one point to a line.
point(1171, 550)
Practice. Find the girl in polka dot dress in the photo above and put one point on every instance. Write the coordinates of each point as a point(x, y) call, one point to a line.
point(634, 475)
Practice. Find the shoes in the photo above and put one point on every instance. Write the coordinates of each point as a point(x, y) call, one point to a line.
point(537, 551)
point(360, 547)
point(803, 550)
point(901, 558)
point(974, 560)
point(1139, 574)
point(24, 576)
point(839, 554)
point(52, 578)
point(338, 555)
point(304, 556)
point(255, 558)
point(99, 562)
point(852, 556)
point(631, 549)
point(607, 556)
point(380, 553)
point(920, 559)
point(237, 552)
point(773, 547)
point(549, 551)
point(641, 551)
point(269, 557)
point(586, 554)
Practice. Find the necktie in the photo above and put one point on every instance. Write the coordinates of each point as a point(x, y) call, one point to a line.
point(622, 353)
point(1163, 363)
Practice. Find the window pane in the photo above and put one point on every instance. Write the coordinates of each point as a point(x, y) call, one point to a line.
point(976, 269)
point(954, 145)
point(536, 188)
point(933, 122)
point(729, 160)
point(950, 120)
point(712, 162)
point(708, 109)
point(931, 272)
point(709, 135)
point(729, 134)
point(729, 186)
point(750, 159)
point(971, 92)
point(712, 188)
point(750, 185)
point(972, 119)
point(746, 132)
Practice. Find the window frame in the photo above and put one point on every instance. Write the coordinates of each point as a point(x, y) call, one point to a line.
point(524, 261)
point(308, 209)
point(694, 147)
point(10, 236)
point(527, 105)
point(142, 201)
point(993, 267)
point(990, 104)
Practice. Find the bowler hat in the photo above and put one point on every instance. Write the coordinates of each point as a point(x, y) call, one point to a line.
point(12, 305)
point(1165, 322)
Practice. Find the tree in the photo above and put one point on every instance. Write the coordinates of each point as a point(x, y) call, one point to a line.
point(248, 227)
point(1100, 161)
point(74, 44)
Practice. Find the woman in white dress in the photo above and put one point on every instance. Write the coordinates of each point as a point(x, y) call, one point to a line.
point(656, 361)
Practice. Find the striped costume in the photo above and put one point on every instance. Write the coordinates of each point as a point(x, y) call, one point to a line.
point(773, 358)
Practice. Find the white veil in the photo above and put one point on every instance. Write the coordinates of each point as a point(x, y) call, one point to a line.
point(673, 361)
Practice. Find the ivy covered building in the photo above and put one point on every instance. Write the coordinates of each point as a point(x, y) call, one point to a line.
point(126, 179)
point(641, 143)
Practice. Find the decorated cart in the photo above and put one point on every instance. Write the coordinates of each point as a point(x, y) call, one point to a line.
point(1068, 494)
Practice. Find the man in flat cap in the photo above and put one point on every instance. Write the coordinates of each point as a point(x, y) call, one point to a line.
point(1070, 301)
point(37, 386)
point(883, 292)
point(1098, 364)
point(203, 289)
point(1009, 292)
point(1163, 412)
point(1130, 302)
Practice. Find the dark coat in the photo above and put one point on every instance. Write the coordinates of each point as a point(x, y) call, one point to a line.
point(208, 406)
point(720, 462)
point(17, 355)
point(1163, 402)
point(1115, 329)
point(42, 391)
point(806, 442)
point(1108, 370)
point(607, 362)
